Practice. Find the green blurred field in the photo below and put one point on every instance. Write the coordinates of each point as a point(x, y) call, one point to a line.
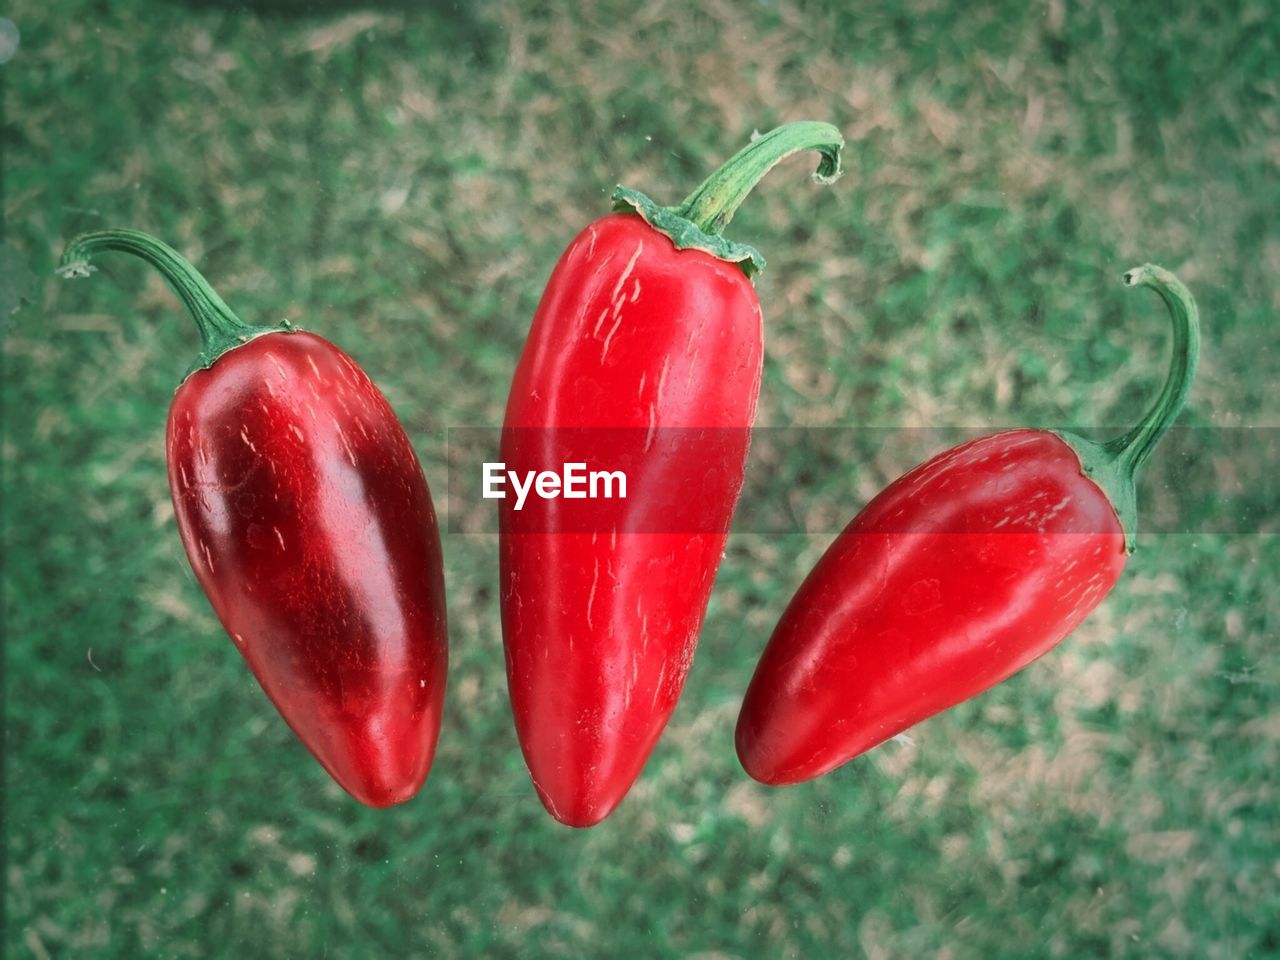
point(402, 181)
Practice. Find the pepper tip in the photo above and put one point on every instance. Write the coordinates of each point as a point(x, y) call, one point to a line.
point(1147, 275)
point(75, 270)
point(1137, 275)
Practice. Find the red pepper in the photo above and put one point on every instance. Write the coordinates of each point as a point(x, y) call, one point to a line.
point(957, 575)
point(308, 522)
point(649, 328)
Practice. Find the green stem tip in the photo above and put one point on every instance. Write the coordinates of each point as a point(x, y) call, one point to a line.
point(1114, 465)
point(220, 329)
point(700, 219)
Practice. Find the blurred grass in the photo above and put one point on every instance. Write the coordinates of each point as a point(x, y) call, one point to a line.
point(402, 181)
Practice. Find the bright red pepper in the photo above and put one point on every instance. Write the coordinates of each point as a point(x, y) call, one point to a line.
point(957, 575)
point(648, 329)
point(308, 522)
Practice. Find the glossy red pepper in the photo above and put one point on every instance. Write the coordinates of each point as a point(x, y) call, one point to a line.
point(957, 575)
point(308, 522)
point(649, 329)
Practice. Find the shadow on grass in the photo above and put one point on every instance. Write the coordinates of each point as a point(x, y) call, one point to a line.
point(461, 13)
point(456, 21)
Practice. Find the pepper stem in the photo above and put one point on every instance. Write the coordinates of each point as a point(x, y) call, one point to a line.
point(1131, 450)
point(712, 205)
point(220, 329)
point(1112, 465)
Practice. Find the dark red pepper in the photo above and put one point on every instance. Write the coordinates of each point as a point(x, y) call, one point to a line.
point(649, 329)
point(957, 575)
point(308, 522)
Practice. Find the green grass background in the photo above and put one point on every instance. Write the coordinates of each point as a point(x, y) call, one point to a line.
point(402, 179)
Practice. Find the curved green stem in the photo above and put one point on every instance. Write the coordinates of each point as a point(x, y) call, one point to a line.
point(220, 329)
point(697, 222)
point(712, 205)
point(1132, 449)
point(1112, 465)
